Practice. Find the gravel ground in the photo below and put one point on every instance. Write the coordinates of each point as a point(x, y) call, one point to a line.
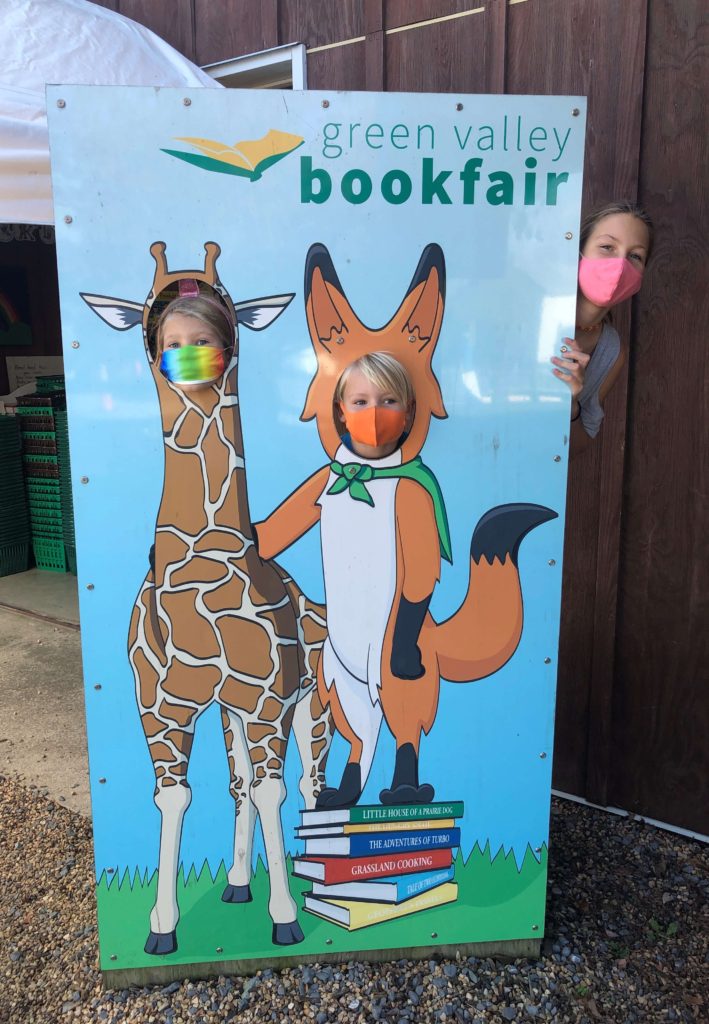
point(625, 941)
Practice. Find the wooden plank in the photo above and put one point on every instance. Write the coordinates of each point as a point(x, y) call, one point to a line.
point(441, 57)
point(404, 12)
point(342, 67)
point(374, 44)
point(496, 44)
point(661, 754)
point(172, 22)
point(580, 57)
point(318, 22)
point(231, 28)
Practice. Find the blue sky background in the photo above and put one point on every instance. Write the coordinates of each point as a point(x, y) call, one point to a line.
point(511, 283)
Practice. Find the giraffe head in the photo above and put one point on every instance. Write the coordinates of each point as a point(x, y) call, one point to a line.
point(121, 314)
point(339, 338)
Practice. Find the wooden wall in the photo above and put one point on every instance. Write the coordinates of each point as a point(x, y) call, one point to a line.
point(633, 695)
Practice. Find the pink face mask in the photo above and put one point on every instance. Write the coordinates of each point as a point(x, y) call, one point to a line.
point(605, 282)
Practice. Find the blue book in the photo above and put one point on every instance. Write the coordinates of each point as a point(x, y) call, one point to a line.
point(386, 890)
point(369, 844)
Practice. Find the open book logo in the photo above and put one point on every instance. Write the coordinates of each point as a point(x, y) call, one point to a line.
point(248, 159)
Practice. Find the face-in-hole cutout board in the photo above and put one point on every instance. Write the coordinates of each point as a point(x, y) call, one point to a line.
point(352, 658)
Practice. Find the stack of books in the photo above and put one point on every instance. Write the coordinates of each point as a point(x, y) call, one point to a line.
point(371, 864)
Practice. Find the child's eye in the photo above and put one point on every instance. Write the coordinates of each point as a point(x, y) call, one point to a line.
point(173, 344)
point(636, 256)
point(202, 341)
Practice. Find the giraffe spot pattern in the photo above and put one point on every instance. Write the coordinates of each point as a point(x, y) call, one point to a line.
point(190, 430)
point(195, 632)
point(256, 732)
point(161, 752)
point(237, 694)
point(151, 725)
point(188, 683)
point(220, 540)
point(247, 646)
point(176, 713)
point(181, 740)
point(199, 570)
point(257, 754)
point(216, 455)
point(148, 679)
point(271, 709)
point(228, 596)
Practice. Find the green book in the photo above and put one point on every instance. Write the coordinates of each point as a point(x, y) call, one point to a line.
point(377, 814)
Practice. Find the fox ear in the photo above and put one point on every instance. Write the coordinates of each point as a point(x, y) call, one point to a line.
point(421, 313)
point(117, 313)
point(328, 311)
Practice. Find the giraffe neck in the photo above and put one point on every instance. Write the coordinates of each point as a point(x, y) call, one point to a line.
point(205, 481)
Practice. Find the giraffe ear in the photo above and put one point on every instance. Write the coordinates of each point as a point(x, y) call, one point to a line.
point(257, 314)
point(421, 313)
point(326, 305)
point(117, 313)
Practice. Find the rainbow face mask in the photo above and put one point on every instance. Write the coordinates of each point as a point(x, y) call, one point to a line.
point(193, 364)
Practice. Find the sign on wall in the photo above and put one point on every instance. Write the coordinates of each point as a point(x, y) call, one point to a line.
point(319, 644)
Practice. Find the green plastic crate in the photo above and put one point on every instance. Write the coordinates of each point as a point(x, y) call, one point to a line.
point(49, 554)
point(14, 558)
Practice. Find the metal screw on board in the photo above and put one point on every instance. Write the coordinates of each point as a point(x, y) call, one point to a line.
point(535, 927)
point(459, 106)
point(68, 219)
point(537, 849)
point(340, 341)
point(543, 754)
point(97, 686)
point(113, 956)
point(102, 781)
point(220, 949)
point(84, 479)
point(61, 104)
point(328, 942)
point(569, 235)
point(187, 101)
point(75, 344)
point(547, 661)
point(434, 935)
point(109, 871)
point(412, 338)
point(89, 586)
point(326, 103)
point(552, 561)
point(557, 458)
point(575, 112)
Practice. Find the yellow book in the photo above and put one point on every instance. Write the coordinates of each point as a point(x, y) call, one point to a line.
point(353, 914)
point(374, 826)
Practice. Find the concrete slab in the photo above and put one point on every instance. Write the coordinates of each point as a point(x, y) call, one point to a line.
point(52, 594)
point(42, 724)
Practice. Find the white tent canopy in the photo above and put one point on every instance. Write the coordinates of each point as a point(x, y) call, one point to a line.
point(65, 42)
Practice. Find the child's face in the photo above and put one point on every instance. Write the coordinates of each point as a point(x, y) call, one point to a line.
point(362, 395)
point(191, 352)
point(180, 330)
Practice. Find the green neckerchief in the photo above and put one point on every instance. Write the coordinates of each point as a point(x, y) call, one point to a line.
point(353, 476)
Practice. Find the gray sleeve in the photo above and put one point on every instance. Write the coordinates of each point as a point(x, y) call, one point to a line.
point(604, 357)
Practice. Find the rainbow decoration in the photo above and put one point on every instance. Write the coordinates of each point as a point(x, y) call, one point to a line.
point(192, 364)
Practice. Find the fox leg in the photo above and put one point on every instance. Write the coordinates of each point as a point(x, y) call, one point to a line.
point(357, 720)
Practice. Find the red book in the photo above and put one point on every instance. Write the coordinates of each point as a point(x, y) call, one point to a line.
point(330, 870)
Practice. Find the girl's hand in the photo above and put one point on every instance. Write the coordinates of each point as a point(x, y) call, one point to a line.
point(571, 366)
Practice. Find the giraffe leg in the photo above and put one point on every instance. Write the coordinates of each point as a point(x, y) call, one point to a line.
point(238, 889)
point(268, 795)
point(172, 802)
point(313, 729)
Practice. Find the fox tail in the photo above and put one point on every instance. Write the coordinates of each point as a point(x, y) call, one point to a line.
point(483, 634)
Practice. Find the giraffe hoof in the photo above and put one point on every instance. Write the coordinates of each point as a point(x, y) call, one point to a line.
point(161, 943)
point(287, 934)
point(237, 894)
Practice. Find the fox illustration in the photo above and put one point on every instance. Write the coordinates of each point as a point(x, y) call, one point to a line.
point(384, 655)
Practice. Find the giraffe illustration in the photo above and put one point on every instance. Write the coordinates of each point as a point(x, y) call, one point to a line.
point(214, 622)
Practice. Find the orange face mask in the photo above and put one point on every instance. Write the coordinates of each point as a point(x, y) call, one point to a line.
point(374, 426)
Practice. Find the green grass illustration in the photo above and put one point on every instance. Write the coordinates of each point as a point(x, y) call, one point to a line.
point(496, 901)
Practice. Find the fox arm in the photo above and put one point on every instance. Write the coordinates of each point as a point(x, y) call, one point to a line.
point(420, 564)
point(292, 518)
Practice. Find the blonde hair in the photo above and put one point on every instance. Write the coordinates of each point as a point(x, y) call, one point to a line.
point(200, 307)
point(385, 372)
point(593, 218)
